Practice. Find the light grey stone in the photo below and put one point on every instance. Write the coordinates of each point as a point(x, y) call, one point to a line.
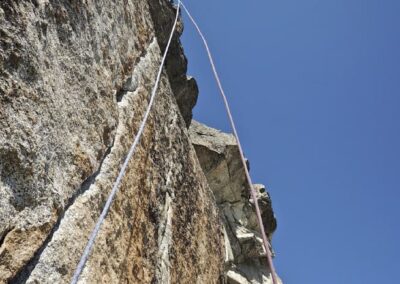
point(236, 278)
point(75, 80)
point(219, 157)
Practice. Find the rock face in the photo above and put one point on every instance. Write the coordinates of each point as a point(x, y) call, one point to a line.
point(75, 80)
point(245, 257)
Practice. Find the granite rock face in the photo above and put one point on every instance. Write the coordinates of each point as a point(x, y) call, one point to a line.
point(245, 256)
point(75, 79)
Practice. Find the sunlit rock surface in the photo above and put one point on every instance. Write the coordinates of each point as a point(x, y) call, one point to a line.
point(219, 157)
point(75, 81)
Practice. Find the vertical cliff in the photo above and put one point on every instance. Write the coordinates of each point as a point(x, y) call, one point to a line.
point(75, 79)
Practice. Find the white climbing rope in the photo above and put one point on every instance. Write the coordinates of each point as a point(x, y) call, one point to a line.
point(252, 191)
point(93, 235)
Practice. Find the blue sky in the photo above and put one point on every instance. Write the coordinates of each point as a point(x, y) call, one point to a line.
point(315, 89)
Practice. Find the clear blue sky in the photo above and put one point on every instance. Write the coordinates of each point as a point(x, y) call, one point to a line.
point(315, 89)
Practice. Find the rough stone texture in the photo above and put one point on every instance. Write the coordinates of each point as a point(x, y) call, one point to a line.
point(75, 78)
point(184, 87)
point(245, 256)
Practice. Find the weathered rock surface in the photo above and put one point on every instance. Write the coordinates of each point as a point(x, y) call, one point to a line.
point(245, 256)
point(75, 78)
point(184, 87)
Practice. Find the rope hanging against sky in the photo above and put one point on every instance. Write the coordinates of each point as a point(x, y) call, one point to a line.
point(115, 188)
point(252, 191)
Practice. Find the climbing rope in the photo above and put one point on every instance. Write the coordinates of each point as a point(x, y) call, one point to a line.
point(93, 235)
point(252, 191)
